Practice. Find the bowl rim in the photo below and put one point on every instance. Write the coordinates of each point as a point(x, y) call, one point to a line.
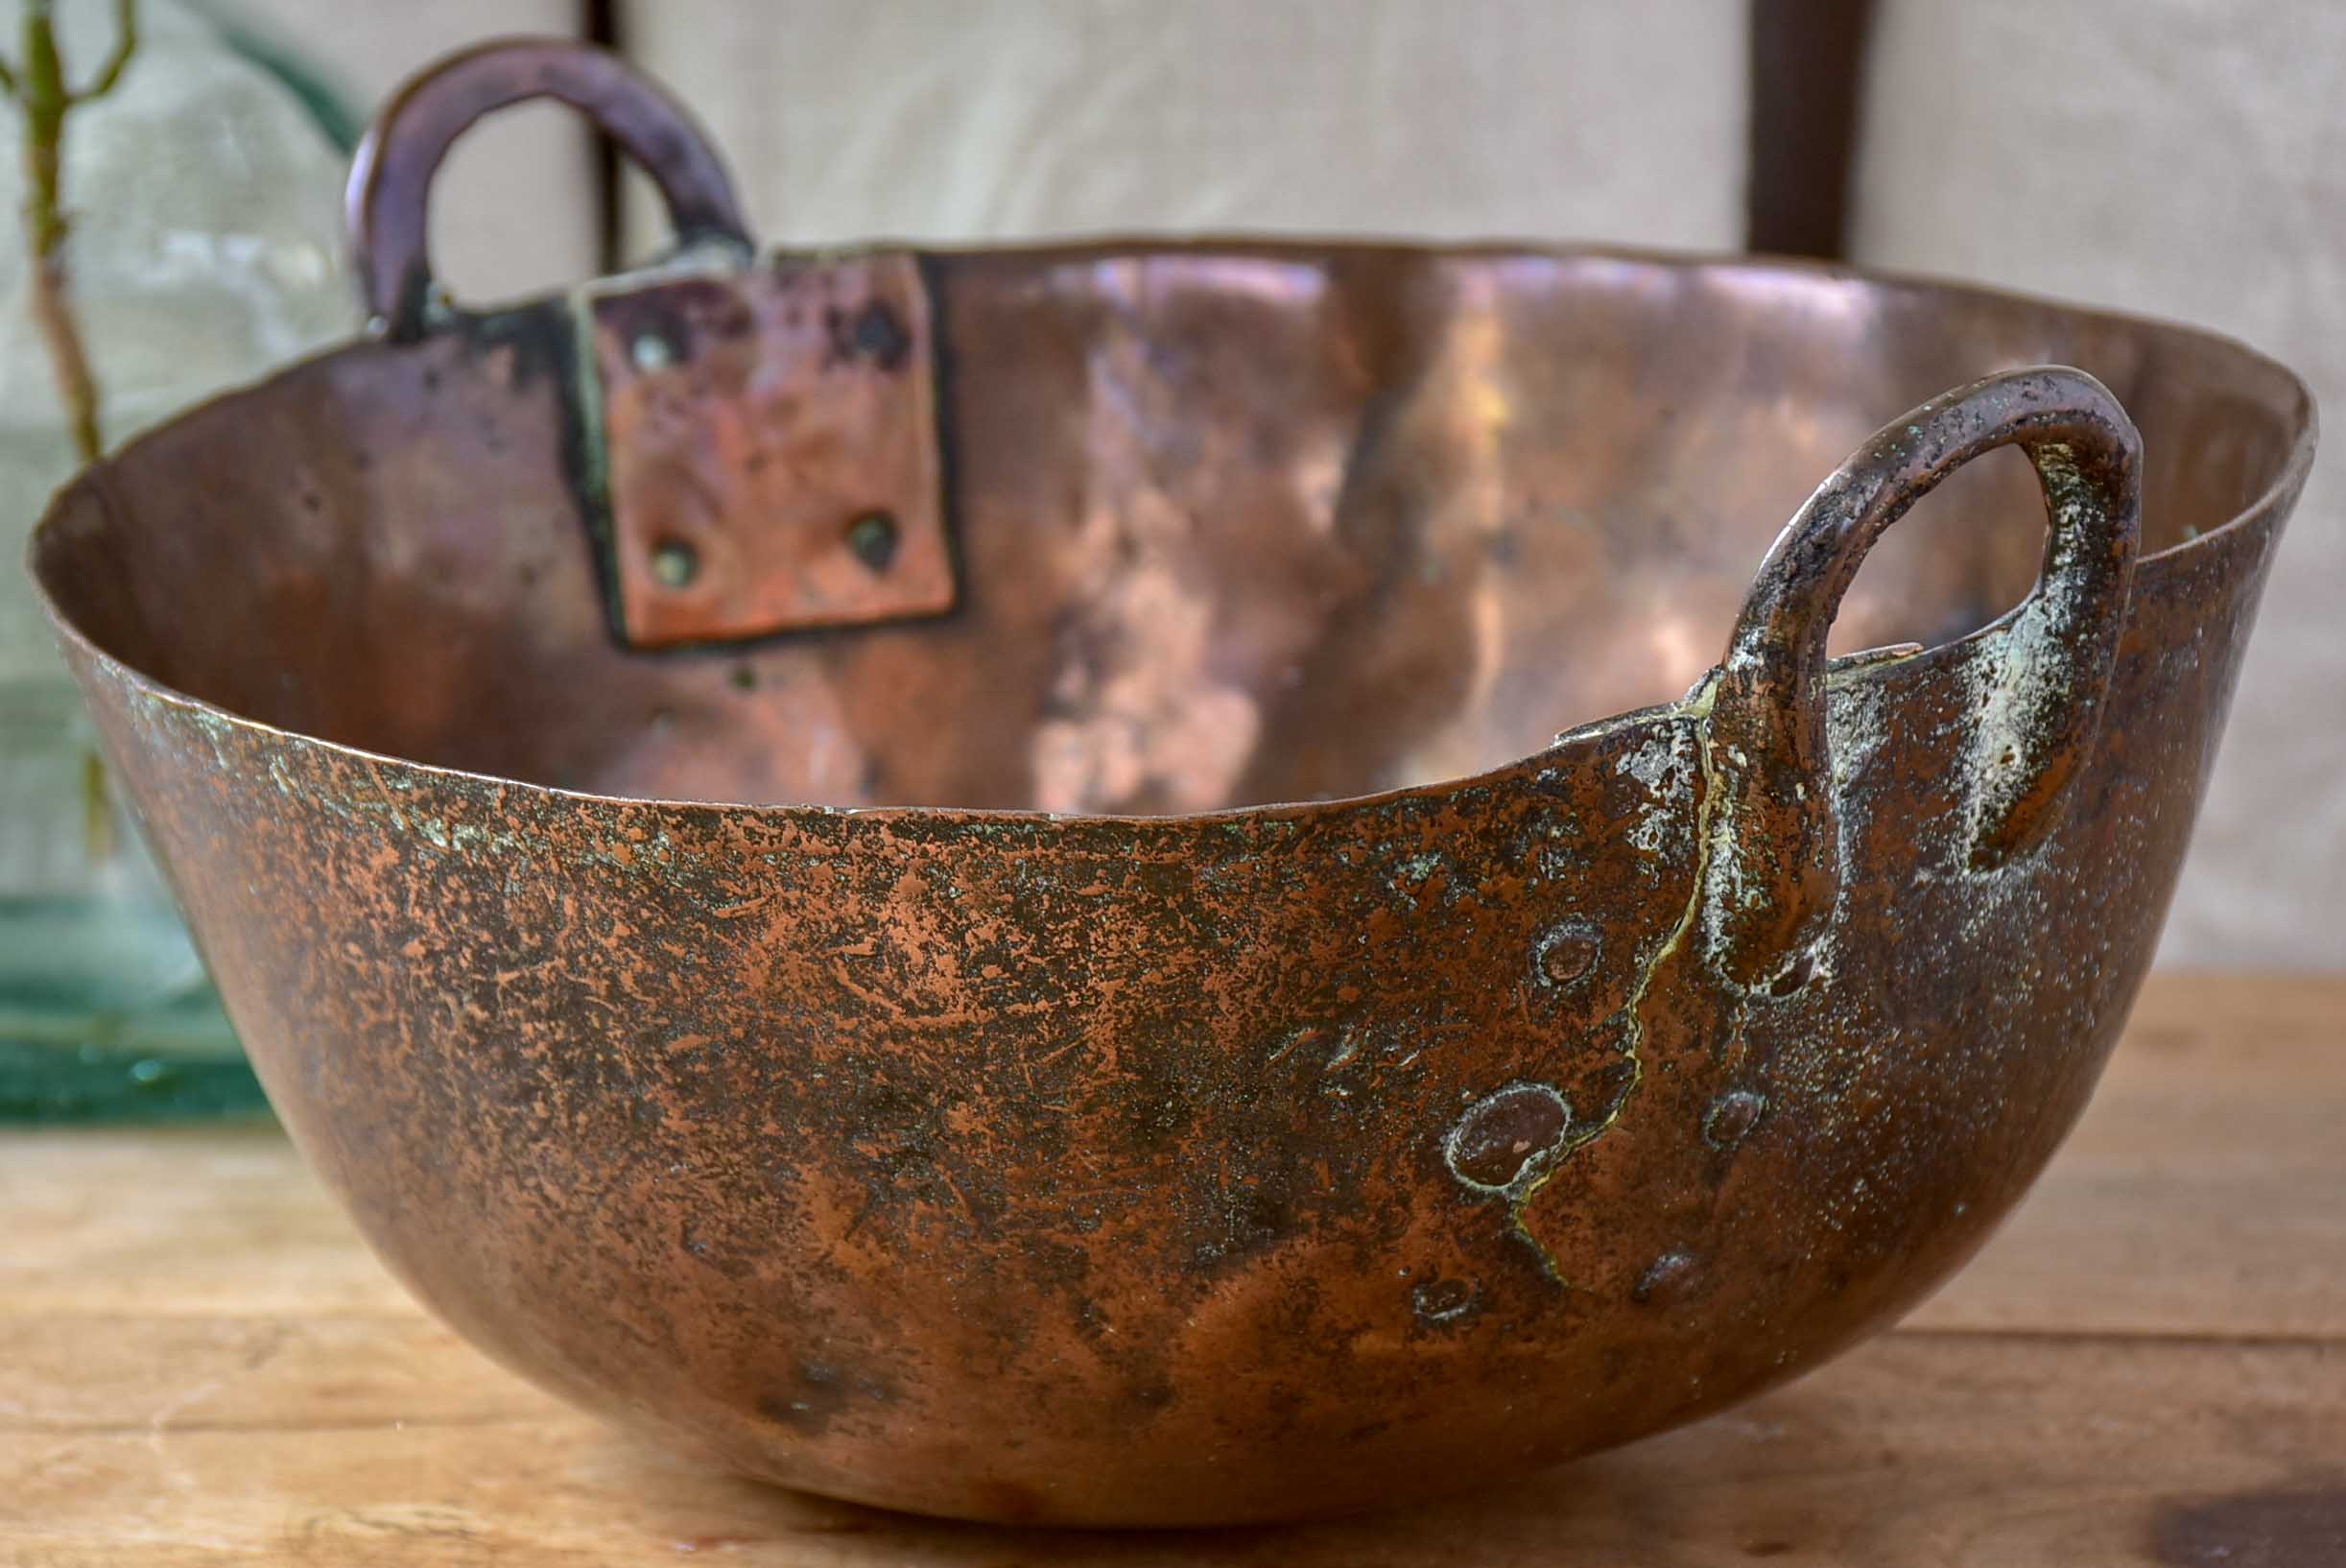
point(2278, 495)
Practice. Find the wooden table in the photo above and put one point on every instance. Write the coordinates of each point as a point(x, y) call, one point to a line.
point(199, 1363)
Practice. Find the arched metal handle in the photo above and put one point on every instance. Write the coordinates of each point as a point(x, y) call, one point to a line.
point(390, 177)
point(1772, 867)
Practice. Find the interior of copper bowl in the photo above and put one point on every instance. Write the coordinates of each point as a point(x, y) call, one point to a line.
point(1230, 526)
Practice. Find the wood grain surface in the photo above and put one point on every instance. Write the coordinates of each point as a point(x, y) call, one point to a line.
point(199, 1363)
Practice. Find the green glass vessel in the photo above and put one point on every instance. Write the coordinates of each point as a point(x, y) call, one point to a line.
point(204, 248)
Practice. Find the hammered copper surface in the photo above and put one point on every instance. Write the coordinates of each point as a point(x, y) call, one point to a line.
point(1189, 1155)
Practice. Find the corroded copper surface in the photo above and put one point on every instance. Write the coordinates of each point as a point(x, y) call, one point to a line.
point(1353, 1092)
point(769, 445)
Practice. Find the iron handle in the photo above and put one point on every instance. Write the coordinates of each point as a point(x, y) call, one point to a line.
point(1772, 862)
point(390, 177)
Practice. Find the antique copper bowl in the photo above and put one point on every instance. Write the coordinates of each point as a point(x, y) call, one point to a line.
point(943, 876)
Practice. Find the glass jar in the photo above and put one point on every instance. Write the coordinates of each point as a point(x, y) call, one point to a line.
point(205, 248)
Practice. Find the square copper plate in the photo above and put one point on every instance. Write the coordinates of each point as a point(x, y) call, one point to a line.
point(771, 451)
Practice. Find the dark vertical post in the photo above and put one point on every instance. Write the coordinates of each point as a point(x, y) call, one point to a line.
point(599, 23)
point(1807, 59)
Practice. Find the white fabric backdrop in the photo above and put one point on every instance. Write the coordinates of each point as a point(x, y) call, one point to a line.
point(940, 119)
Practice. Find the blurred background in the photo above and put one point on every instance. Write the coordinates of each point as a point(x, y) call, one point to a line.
point(2190, 162)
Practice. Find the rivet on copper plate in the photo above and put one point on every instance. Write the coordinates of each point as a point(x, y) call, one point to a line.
point(652, 352)
point(873, 537)
point(879, 338)
point(675, 563)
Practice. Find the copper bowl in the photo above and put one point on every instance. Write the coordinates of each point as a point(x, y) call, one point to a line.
point(944, 875)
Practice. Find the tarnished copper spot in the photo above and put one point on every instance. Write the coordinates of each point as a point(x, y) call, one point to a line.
point(1507, 1134)
point(1731, 1117)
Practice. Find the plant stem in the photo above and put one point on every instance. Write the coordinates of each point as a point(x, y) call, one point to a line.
point(37, 82)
